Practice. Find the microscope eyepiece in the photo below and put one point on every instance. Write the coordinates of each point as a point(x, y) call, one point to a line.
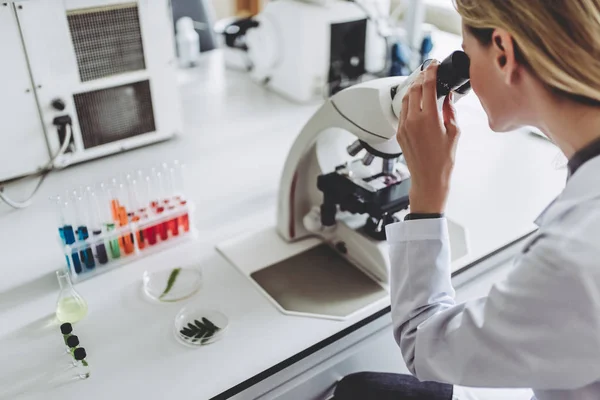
point(452, 73)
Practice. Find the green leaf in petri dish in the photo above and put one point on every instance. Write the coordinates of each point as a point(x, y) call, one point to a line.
point(171, 282)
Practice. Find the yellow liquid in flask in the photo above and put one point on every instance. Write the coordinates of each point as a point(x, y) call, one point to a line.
point(71, 309)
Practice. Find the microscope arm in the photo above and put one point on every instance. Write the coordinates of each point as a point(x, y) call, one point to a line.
point(293, 203)
point(364, 110)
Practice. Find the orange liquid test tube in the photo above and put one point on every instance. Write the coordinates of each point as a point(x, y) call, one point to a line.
point(137, 210)
point(127, 239)
point(119, 204)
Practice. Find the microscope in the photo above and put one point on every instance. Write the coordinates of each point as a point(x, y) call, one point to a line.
point(326, 191)
point(343, 182)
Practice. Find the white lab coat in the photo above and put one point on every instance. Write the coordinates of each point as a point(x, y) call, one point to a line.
point(539, 328)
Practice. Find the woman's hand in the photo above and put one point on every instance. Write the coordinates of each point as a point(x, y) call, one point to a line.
point(428, 143)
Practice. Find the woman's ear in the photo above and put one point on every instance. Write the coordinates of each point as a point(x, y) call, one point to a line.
point(503, 50)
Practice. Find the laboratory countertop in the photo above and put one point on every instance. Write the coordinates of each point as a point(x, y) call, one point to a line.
point(235, 142)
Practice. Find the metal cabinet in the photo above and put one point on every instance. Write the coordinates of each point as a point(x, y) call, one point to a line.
point(23, 147)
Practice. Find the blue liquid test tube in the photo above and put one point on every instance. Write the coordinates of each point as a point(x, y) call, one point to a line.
point(69, 233)
point(96, 225)
point(86, 254)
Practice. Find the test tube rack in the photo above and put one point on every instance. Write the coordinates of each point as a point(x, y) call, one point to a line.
point(115, 243)
point(121, 222)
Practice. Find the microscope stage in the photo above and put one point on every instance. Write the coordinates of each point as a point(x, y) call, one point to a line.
point(375, 195)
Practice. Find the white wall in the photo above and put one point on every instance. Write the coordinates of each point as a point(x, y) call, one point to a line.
point(224, 8)
point(440, 13)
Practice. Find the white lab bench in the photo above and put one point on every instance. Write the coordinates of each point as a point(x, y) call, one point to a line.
point(235, 143)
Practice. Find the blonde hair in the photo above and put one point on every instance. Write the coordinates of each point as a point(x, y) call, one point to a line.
point(559, 40)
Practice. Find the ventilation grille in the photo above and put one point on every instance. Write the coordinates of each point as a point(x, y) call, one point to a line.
point(116, 113)
point(107, 40)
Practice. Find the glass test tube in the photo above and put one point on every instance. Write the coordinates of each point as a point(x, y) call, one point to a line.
point(167, 184)
point(114, 200)
point(123, 206)
point(60, 222)
point(179, 185)
point(115, 210)
point(184, 220)
point(163, 227)
point(105, 211)
point(142, 193)
point(154, 189)
point(69, 234)
point(173, 223)
point(96, 225)
point(86, 255)
point(151, 231)
point(136, 216)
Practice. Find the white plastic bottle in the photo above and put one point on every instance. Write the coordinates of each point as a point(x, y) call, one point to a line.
point(188, 42)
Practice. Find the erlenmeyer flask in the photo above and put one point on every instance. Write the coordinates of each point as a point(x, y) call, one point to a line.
point(70, 306)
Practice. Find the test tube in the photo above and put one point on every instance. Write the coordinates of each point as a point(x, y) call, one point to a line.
point(105, 211)
point(151, 231)
point(61, 223)
point(114, 200)
point(142, 193)
point(123, 205)
point(178, 178)
point(136, 215)
point(175, 202)
point(167, 184)
point(69, 233)
point(184, 220)
point(179, 174)
point(96, 225)
point(163, 227)
point(173, 223)
point(86, 254)
point(154, 190)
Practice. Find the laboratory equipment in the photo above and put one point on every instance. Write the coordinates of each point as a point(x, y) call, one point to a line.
point(202, 12)
point(83, 79)
point(96, 225)
point(197, 326)
point(173, 284)
point(307, 51)
point(86, 255)
point(335, 203)
point(128, 219)
point(70, 306)
point(188, 42)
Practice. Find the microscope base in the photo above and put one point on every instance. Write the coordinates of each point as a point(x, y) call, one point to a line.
point(305, 278)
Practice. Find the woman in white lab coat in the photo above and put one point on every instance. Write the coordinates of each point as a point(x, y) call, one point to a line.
point(533, 62)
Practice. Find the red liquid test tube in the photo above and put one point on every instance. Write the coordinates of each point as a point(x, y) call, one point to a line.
point(173, 223)
point(163, 227)
point(184, 220)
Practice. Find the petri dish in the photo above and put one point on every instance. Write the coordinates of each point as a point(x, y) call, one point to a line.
point(173, 284)
point(196, 326)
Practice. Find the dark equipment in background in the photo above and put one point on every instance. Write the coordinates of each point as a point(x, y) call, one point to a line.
point(203, 14)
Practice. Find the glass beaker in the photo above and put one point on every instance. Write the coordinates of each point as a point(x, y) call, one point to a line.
point(70, 306)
